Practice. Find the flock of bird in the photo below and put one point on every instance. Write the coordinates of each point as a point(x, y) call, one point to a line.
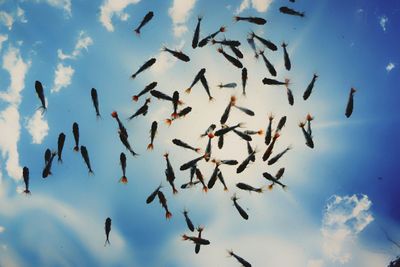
point(196, 177)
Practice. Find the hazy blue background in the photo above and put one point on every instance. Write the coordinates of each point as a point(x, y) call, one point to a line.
point(348, 43)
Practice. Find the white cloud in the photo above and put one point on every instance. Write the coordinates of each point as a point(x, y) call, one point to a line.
point(37, 127)
point(179, 13)
point(62, 77)
point(6, 19)
point(9, 123)
point(261, 5)
point(9, 117)
point(258, 5)
point(3, 38)
point(390, 66)
point(84, 41)
point(244, 5)
point(2, 229)
point(17, 68)
point(21, 15)
point(61, 4)
point(111, 8)
point(179, 30)
point(63, 74)
point(344, 218)
point(124, 16)
point(383, 20)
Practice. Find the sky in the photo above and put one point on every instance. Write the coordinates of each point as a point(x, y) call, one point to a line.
point(341, 204)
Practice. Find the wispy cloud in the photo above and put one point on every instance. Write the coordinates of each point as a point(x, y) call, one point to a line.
point(390, 67)
point(179, 13)
point(21, 15)
point(61, 4)
point(37, 127)
point(17, 68)
point(383, 20)
point(9, 123)
point(63, 74)
point(6, 19)
point(259, 5)
point(85, 229)
point(111, 8)
point(344, 218)
point(9, 18)
point(243, 6)
point(83, 42)
point(62, 77)
point(3, 38)
point(9, 117)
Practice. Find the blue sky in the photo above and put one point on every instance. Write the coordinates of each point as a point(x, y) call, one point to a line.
point(335, 207)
